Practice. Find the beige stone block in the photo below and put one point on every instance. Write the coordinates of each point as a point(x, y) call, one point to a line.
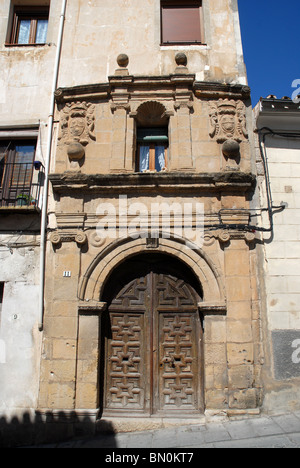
point(105, 137)
point(87, 349)
point(61, 395)
point(240, 353)
point(200, 134)
point(64, 349)
point(61, 327)
point(65, 289)
point(216, 399)
point(236, 262)
point(61, 371)
point(240, 377)
point(216, 377)
point(64, 308)
point(103, 152)
point(104, 125)
point(239, 310)
point(86, 395)
point(238, 288)
point(239, 331)
point(215, 353)
point(215, 330)
point(245, 399)
point(118, 155)
point(88, 327)
point(185, 135)
point(118, 136)
point(209, 376)
point(87, 371)
point(185, 152)
point(210, 149)
point(204, 164)
point(228, 201)
point(183, 122)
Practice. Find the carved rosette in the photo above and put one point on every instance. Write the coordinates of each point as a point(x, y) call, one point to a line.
point(228, 125)
point(77, 124)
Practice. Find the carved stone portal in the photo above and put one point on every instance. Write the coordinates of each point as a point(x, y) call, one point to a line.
point(77, 123)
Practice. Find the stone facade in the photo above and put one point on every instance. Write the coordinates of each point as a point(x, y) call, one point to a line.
point(111, 84)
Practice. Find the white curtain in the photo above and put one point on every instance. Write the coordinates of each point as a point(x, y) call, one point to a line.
point(160, 158)
point(144, 158)
point(41, 31)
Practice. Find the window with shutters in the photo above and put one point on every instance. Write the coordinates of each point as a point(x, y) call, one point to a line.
point(181, 22)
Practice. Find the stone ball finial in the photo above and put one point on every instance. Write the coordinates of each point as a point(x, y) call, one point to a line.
point(123, 60)
point(231, 149)
point(181, 59)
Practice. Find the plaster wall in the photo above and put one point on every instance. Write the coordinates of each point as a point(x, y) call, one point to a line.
point(279, 254)
point(19, 337)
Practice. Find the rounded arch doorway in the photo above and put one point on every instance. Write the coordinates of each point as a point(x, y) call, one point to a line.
point(152, 339)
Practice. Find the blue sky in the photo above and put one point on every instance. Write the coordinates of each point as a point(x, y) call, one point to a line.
point(271, 43)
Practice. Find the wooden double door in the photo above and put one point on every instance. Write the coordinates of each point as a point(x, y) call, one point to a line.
point(153, 352)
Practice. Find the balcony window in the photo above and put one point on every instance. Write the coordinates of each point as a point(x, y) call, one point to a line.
point(19, 181)
point(152, 149)
point(30, 26)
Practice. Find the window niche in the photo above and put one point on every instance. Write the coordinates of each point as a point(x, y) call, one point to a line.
point(152, 132)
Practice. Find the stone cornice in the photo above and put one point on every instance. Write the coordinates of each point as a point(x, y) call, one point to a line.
point(201, 89)
point(153, 182)
point(210, 90)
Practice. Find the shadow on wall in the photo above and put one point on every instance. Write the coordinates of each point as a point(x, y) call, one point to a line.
point(47, 429)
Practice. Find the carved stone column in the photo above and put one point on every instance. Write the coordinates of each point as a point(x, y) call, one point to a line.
point(120, 108)
point(181, 138)
point(184, 143)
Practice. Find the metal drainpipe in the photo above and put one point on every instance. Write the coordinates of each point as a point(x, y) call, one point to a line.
point(47, 164)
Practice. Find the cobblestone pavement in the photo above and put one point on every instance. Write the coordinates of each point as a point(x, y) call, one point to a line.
point(280, 431)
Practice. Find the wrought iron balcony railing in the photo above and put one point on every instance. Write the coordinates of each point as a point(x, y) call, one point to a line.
point(21, 184)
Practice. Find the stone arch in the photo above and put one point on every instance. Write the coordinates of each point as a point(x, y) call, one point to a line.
point(94, 280)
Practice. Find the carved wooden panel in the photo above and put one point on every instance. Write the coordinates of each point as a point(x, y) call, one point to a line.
point(172, 292)
point(153, 360)
point(132, 295)
point(126, 366)
point(178, 363)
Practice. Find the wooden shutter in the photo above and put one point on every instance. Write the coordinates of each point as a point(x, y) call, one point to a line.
point(181, 23)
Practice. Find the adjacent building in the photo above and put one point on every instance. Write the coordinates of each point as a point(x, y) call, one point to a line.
point(278, 151)
point(127, 128)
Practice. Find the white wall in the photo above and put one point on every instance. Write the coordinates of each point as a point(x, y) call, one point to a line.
point(19, 335)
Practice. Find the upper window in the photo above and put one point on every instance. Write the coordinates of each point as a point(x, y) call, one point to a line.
point(30, 25)
point(152, 149)
point(181, 22)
